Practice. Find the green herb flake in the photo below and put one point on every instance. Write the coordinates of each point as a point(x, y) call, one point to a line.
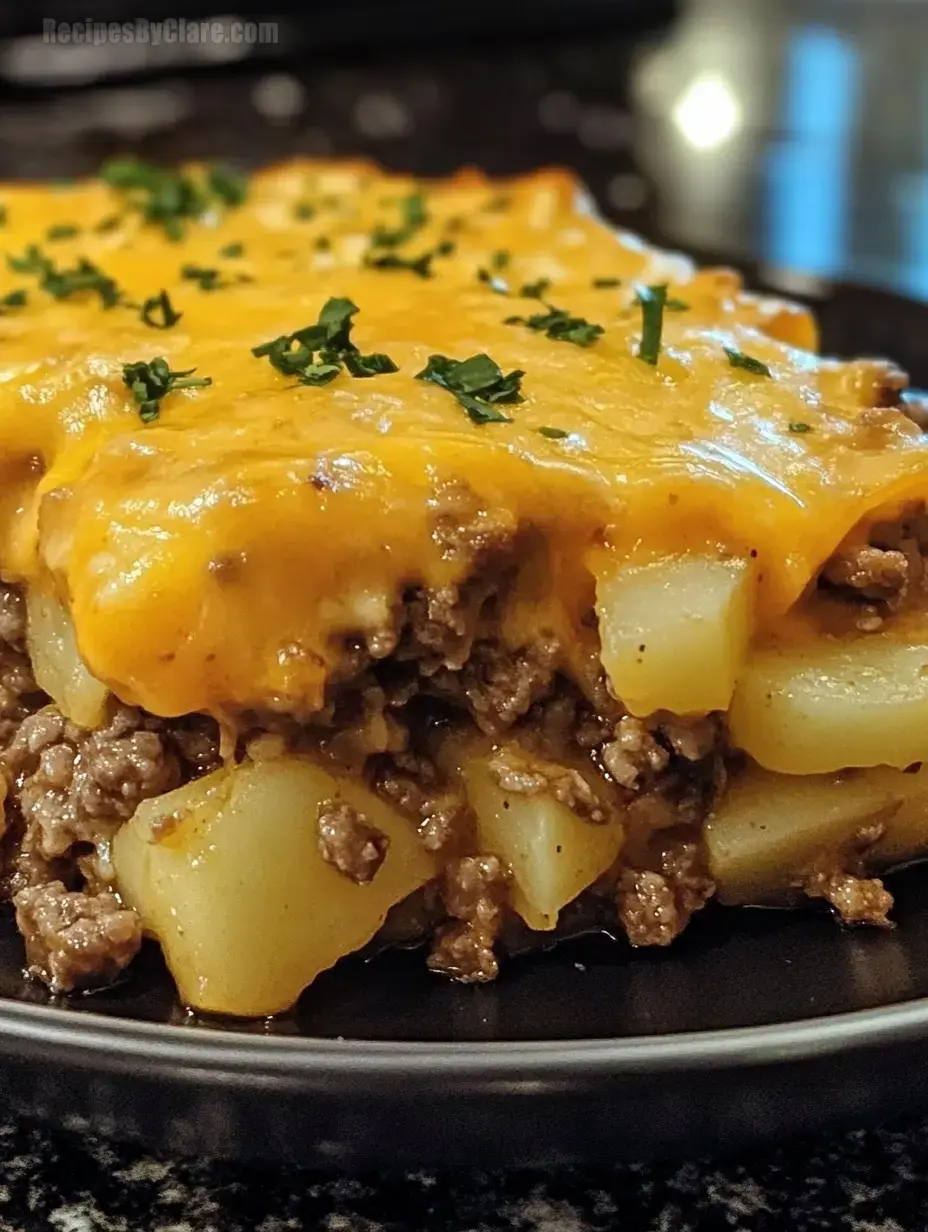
point(500, 259)
point(164, 198)
point(376, 364)
point(498, 204)
point(652, 301)
point(62, 231)
point(63, 283)
point(560, 326)
point(323, 243)
point(414, 215)
point(677, 305)
point(602, 283)
point(230, 187)
point(3, 215)
point(535, 290)
point(499, 285)
point(330, 339)
point(159, 313)
point(150, 382)
point(478, 384)
point(445, 248)
point(109, 223)
point(206, 278)
point(236, 249)
point(421, 265)
point(800, 427)
point(738, 359)
point(13, 299)
point(170, 198)
point(553, 434)
point(304, 211)
point(31, 262)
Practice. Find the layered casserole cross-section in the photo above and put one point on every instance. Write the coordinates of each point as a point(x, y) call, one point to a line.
point(387, 561)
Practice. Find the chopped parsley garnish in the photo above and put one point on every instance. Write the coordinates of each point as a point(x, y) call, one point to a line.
point(603, 283)
point(330, 339)
point(677, 305)
point(414, 216)
point(303, 211)
point(652, 301)
point(62, 231)
point(478, 384)
point(800, 427)
point(206, 278)
point(535, 290)
point(13, 299)
point(159, 312)
point(86, 276)
point(63, 283)
point(232, 250)
point(375, 364)
point(445, 248)
point(230, 187)
point(150, 382)
point(421, 265)
point(738, 359)
point(170, 198)
point(109, 223)
point(499, 285)
point(499, 203)
point(553, 434)
point(323, 243)
point(31, 262)
point(500, 259)
point(560, 326)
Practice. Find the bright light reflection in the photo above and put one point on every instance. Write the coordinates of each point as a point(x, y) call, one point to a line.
point(708, 112)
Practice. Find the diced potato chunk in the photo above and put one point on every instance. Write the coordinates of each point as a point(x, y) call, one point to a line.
point(675, 632)
point(768, 828)
point(226, 873)
point(59, 669)
point(830, 703)
point(553, 853)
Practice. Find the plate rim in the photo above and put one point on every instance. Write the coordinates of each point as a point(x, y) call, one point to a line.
point(114, 1040)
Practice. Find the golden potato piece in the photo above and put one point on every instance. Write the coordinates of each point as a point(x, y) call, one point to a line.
point(675, 632)
point(56, 661)
point(553, 851)
point(768, 828)
point(828, 703)
point(227, 874)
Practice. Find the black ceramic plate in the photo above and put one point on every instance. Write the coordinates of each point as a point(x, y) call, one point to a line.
point(754, 1024)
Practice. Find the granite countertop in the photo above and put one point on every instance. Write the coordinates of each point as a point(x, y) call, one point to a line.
point(866, 1181)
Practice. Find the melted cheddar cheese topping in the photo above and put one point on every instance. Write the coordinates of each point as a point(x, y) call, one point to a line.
point(220, 556)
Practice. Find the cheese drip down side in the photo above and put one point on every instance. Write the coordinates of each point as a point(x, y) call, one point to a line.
point(218, 557)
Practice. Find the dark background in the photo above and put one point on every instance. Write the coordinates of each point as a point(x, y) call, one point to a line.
point(790, 136)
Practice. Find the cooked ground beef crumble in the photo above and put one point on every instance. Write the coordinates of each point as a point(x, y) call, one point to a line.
point(348, 843)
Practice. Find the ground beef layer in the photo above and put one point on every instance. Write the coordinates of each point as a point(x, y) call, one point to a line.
point(67, 790)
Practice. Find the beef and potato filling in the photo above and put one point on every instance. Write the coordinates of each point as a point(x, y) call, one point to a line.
point(509, 786)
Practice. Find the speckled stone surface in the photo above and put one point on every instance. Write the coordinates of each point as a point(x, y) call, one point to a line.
point(865, 1181)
